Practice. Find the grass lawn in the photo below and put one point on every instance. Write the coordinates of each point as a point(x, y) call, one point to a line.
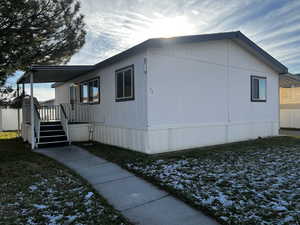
point(37, 190)
point(252, 182)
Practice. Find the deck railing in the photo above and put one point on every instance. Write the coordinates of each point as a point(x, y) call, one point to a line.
point(64, 121)
point(50, 113)
point(75, 113)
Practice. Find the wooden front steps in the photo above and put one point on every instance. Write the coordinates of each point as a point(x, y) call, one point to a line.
point(52, 134)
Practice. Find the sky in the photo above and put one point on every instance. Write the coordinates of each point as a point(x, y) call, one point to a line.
point(114, 26)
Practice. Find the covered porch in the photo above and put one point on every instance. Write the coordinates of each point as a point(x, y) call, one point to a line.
point(55, 124)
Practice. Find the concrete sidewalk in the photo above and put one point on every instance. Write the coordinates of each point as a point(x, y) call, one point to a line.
point(138, 200)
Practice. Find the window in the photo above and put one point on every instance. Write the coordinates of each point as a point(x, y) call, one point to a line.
point(90, 91)
point(258, 89)
point(125, 84)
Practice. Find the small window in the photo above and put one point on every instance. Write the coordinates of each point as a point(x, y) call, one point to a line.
point(125, 84)
point(258, 89)
point(90, 91)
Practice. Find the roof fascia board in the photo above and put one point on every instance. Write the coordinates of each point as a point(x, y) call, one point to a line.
point(40, 68)
point(161, 42)
point(129, 52)
point(270, 60)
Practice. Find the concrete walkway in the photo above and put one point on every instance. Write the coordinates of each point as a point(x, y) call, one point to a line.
point(138, 200)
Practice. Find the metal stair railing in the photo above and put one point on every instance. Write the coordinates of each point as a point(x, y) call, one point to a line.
point(37, 125)
point(64, 121)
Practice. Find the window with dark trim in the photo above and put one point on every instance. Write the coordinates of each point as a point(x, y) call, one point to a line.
point(258, 89)
point(90, 91)
point(125, 84)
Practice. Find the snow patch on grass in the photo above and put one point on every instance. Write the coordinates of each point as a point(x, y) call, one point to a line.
point(257, 186)
point(55, 201)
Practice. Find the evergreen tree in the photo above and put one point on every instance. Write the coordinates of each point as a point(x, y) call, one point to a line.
point(38, 32)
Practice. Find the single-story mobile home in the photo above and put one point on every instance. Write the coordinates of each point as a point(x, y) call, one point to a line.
point(162, 95)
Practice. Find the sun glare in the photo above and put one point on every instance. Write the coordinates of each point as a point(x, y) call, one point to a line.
point(169, 27)
point(164, 27)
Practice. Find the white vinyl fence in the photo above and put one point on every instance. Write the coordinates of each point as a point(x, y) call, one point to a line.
point(290, 118)
point(9, 119)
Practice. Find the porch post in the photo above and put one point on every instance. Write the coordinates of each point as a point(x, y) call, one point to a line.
point(32, 111)
point(18, 95)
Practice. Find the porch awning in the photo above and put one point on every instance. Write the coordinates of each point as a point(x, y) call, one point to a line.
point(289, 80)
point(49, 74)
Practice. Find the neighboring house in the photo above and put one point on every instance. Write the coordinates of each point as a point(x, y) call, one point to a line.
point(290, 101)
point(48, 103)
point(168, 94)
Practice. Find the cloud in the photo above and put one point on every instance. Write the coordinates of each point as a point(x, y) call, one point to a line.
point(114, 26)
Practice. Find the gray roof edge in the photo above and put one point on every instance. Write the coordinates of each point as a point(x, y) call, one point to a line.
point(160, 42)
point(289, 79)
point(61, 67)
point(292, 76)
point(129, 52)
point(281, 68)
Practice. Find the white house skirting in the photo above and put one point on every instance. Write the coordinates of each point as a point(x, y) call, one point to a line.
point(134, 139)
point(177, 138)
point(79, 132)
point(158, 140)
